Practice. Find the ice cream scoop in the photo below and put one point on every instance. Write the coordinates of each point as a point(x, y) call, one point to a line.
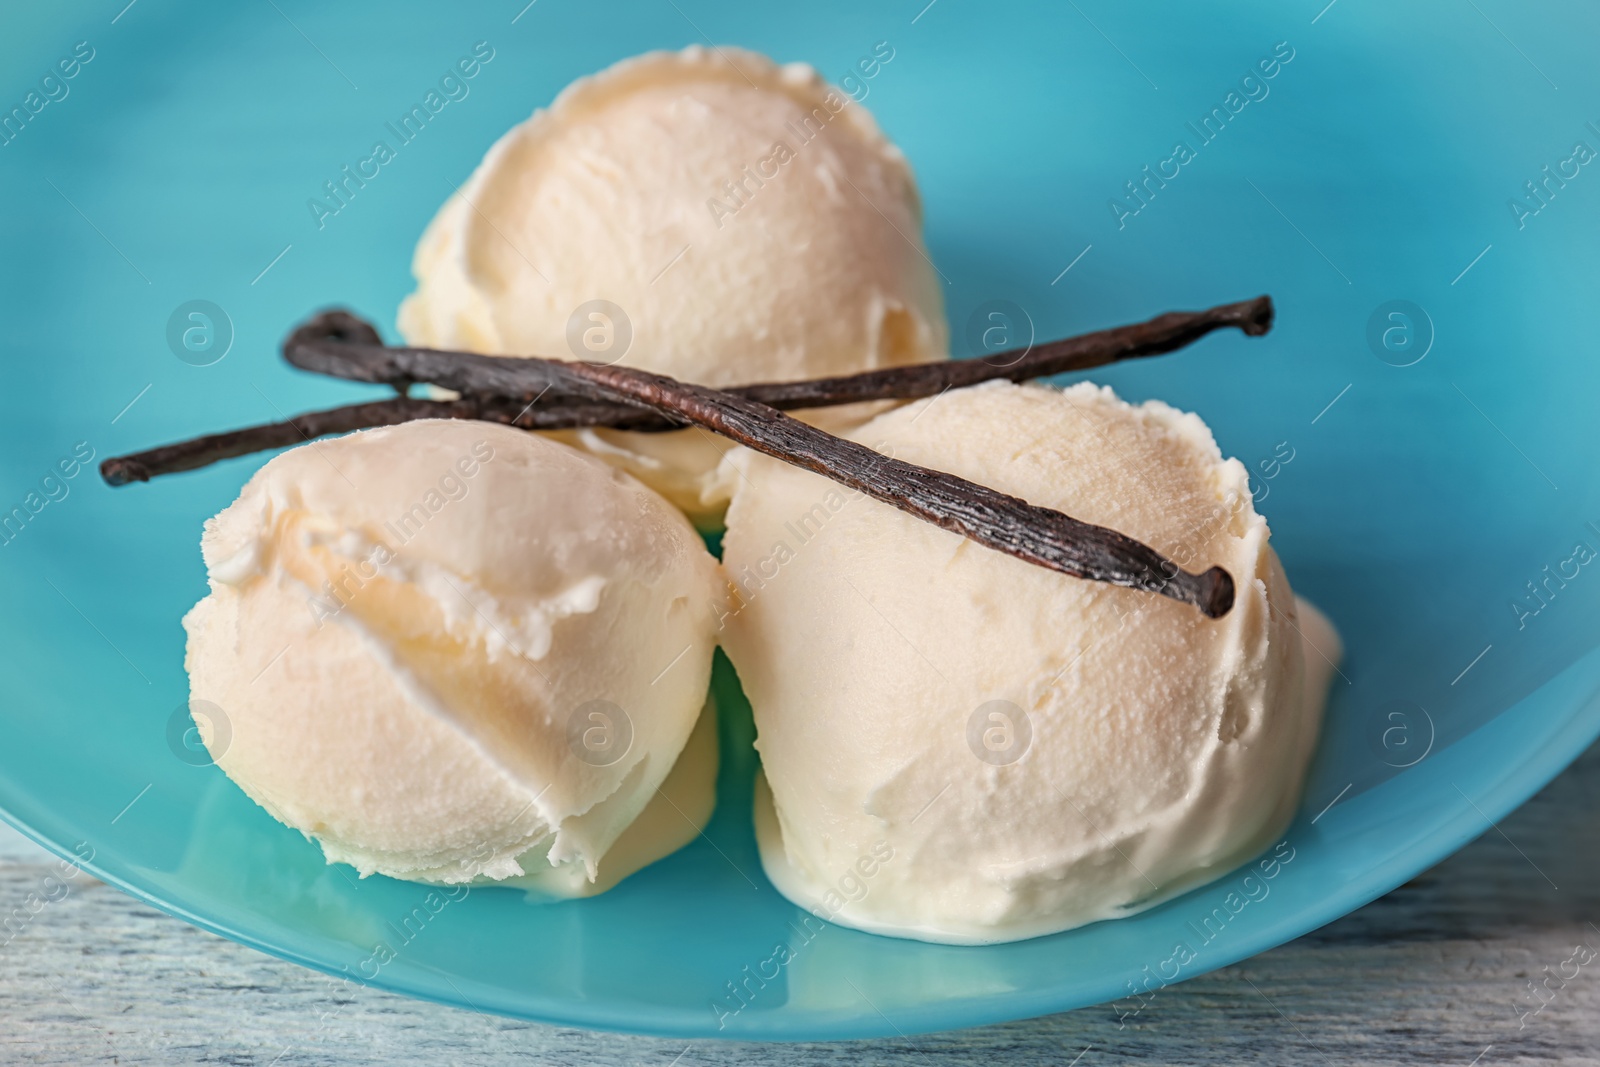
point(961, 747)
point(456, 652)
point(706, 214)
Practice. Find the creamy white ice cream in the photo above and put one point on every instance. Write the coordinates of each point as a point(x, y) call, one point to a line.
point(967, 748)
point(744, 222)
point(456, 652)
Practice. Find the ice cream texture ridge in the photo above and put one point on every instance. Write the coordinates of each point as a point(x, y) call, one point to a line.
point(454, 652)
point(411, 672)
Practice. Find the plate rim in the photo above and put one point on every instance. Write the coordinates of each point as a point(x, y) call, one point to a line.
point(1567, 737)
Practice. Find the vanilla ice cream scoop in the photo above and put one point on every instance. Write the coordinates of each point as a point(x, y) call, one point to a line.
point(959, 746)
point(705, 214)
point(456, 652)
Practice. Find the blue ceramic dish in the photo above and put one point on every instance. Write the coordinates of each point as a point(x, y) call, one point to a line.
point(1420, 424)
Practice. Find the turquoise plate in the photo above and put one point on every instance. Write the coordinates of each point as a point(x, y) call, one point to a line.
point(1421, 426)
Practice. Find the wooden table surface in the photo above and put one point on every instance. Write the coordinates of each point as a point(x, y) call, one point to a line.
point(1441, 971)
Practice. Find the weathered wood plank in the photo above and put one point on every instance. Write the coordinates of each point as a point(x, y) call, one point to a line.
point(1437, 972)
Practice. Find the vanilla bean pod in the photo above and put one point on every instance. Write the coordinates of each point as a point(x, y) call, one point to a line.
point(544, 394)
point(552, 410)
point(1005, 523)
point(331, 332)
